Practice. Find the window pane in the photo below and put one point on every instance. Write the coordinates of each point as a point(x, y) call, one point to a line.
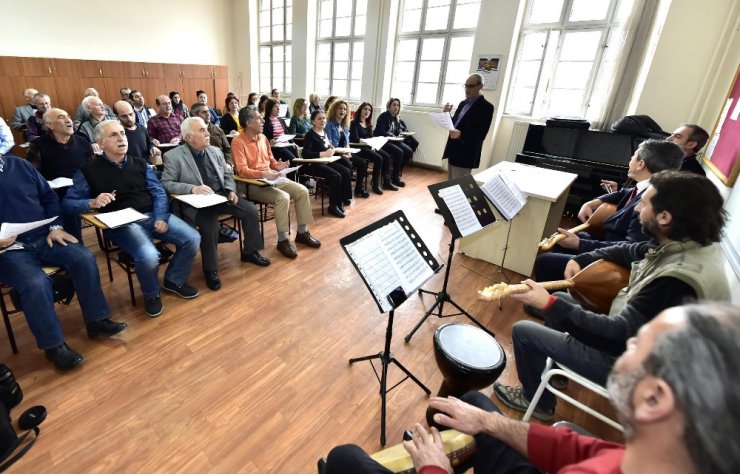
point(358, 48)
point(426, 93)
point(265, 34)
point(580, 45)
point(402, 90)
point(265, 18)
point(429, 71)
point(533, 46)
point(339, 88)
point(521, 100)
point(406, 50)
point(357, 70)
point(326, 9)
point(585, 10)
point(277, 33)
point(277, 3)
point(545, 11)
point(343, 27)
point(412, 5)
point(432, 48)
point(360, 25)
point(437, 18)
point(527, 73)
point(323, 69)
point(341, 69)
point(466, 15)
point(566, 102)
point(452, 93)
point(404, 71)
point(323, 51)
point(461, 47)
point(288, 15)
point(457, 72)
point(438, 3)
point(361, 7)
point(411, 21)
point(355, 89)
point(325, 29)
point(344, 8)
point(278, 16)
point(341, 51)
point(322, 87)
point(572, 75)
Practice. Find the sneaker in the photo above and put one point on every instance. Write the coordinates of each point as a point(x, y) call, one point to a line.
point(183, 291)
point(513, 397)
point(153, 306)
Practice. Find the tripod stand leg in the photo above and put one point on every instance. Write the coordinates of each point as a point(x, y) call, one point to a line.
point(410, 375)
point(383, 394)
point(438, 302)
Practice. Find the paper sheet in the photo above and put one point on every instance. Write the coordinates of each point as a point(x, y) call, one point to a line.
point(442, 120)
point(287, 171)
point(57, 183)
point(11, 229)
point(285, 138)
point(465, 218)
point(346, 150)
point(282, 145)
point(505, 195)
point(119, 218)
point(273, 182)
point(376, 143)
point(283, 110)
point(201, 200)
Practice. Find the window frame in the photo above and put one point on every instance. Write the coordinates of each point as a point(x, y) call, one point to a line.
point(272, 44)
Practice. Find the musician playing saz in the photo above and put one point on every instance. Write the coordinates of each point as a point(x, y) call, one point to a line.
point(684, 215)
point(650, 157)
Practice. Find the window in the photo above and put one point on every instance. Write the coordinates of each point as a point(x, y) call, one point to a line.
point(567, 56)
point(433, 52)
point(340, 47)
point(275, 36)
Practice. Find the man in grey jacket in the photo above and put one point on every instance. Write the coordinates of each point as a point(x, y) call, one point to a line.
point(195, 167)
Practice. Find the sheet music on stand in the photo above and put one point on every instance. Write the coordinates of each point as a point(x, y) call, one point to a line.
point(463, 205)
point(505, 195)
point(389, 254)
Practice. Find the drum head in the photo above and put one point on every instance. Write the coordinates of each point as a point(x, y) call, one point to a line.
point(469, 347)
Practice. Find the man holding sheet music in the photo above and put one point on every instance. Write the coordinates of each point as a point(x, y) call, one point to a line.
point(253, 160)
point(196, 167)
point(26, 197)
point(116, 181)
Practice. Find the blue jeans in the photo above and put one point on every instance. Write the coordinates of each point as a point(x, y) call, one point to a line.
point(534, 343)
point(21, 269)
point(136, 240)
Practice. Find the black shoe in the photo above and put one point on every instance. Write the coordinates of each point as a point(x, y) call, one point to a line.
point(255, 258)
point(388, 185)
point(64, 357)
point(212, 281)
point(347, 202)
point(398, 183)
point(307, 239)
point(153, 306)
point(321, 466)
point(287, 249)
point(105, 328)
point(360, 192)
point(335, 211)
point(376, 189)
point(183, 291)
point(532, 311)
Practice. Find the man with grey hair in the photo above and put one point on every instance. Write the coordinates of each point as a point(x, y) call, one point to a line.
point(24, 112)
point(195, 167)
point(674, 390)
point(472, 120)
point(115, 181)
point(83, 113)
point(218, 137)
point(35, 125)
point(96, 113)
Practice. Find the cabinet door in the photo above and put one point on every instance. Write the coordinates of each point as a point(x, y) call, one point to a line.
point(69, 93)
point(197, 71)
point(35, 67)
point(220, 72)
point(65, 67)
point(221, 89)
point(190, 86)
point(10, 66)
point(172, 70)
point(9, 99)
point(90, 69)
point(153, 70)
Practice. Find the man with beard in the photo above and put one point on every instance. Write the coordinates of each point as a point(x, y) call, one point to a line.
point(674, 389)
point(143, 112)
point(682, 262)
point(139, 143)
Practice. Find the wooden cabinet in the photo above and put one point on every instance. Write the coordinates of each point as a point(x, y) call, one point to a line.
point(10, 66)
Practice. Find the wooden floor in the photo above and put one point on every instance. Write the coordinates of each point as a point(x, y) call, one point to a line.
point(254, 377)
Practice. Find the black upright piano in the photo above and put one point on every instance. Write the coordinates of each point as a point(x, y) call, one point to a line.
point(590, 154)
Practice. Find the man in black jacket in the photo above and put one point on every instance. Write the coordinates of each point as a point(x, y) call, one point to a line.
point(472, 120)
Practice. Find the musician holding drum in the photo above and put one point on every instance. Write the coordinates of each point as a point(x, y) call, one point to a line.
point(683, 214)
point(623, 224)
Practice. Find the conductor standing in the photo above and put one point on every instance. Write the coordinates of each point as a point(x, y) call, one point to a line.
point(472, 119)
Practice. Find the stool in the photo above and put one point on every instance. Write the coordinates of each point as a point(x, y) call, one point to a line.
point(469, 359)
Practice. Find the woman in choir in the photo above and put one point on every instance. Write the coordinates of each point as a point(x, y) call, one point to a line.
point(314, 103)
point(178, 106)
point(300, 121)
point(362, 128)
point(261, 104)
point(389, 125)
point(274, 128)
point(252, 100)
point(230, 119)
point(316, 144)
point(329, 101)
point(337, 127)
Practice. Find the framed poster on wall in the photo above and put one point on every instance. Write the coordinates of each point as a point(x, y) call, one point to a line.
point(723, 152)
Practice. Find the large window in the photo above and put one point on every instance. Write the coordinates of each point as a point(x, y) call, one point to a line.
point(340, 47)
point(434, 50)
point(567, 56)
point(275, 35)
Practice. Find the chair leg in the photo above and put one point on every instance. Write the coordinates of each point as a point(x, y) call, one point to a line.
point(8, 326)
point(129, 271)
point(540, 389)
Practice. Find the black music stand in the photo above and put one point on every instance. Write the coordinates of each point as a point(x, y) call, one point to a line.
point(455, 217)
point(386, 252)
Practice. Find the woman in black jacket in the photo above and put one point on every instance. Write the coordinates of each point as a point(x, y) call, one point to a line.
point(362, 128)
point(317, 145)
point(389, 125)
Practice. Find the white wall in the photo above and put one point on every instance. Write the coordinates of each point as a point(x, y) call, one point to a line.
point(182, 31)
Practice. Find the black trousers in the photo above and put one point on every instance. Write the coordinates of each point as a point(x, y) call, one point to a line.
point(490, 456)
point(361, 167)
point(381, 163)
point(284, 154)
point(338, 177)
point(401, 150)
point(206, 219)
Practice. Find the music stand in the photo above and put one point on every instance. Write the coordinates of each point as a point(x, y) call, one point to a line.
point(393, 263)
point(465, 210)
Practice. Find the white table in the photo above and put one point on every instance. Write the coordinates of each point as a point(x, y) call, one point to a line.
point(547, 192)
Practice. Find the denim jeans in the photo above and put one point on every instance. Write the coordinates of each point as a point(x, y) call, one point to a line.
point(534, 343)
point(21, 269)
point(136, 240)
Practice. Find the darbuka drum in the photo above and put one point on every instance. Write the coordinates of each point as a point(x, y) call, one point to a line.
point(468, 357)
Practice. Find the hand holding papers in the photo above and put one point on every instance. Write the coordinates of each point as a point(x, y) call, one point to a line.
point(60, 183)
point(443, 120)
point(10, 229)
point(201, 200)
point(505, 195)
point(120, 218)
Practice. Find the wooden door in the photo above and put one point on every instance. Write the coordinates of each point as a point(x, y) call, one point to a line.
point(190, 86)
point(35, 67)
point(221, 88)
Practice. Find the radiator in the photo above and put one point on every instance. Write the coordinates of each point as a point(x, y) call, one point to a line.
point(518, 135)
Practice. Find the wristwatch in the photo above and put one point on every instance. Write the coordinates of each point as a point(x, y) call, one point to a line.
point(55, 227)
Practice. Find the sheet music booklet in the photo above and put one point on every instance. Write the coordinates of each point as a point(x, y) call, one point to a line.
point(463, 205)
point(505, 195)
point(391, 258)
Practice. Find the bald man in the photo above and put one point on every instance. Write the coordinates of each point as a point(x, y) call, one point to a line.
point(165, 126)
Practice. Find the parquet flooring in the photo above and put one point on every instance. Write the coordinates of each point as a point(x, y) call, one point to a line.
point(254, 377)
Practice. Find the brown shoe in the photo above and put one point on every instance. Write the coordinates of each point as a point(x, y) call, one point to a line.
point(307, 239)
point(287, 249)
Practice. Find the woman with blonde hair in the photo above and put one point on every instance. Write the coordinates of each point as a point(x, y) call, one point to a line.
point(337, 129)
point(300, 123)
point(314, 102)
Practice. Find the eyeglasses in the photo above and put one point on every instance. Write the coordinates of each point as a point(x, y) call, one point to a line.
point(470, 86)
